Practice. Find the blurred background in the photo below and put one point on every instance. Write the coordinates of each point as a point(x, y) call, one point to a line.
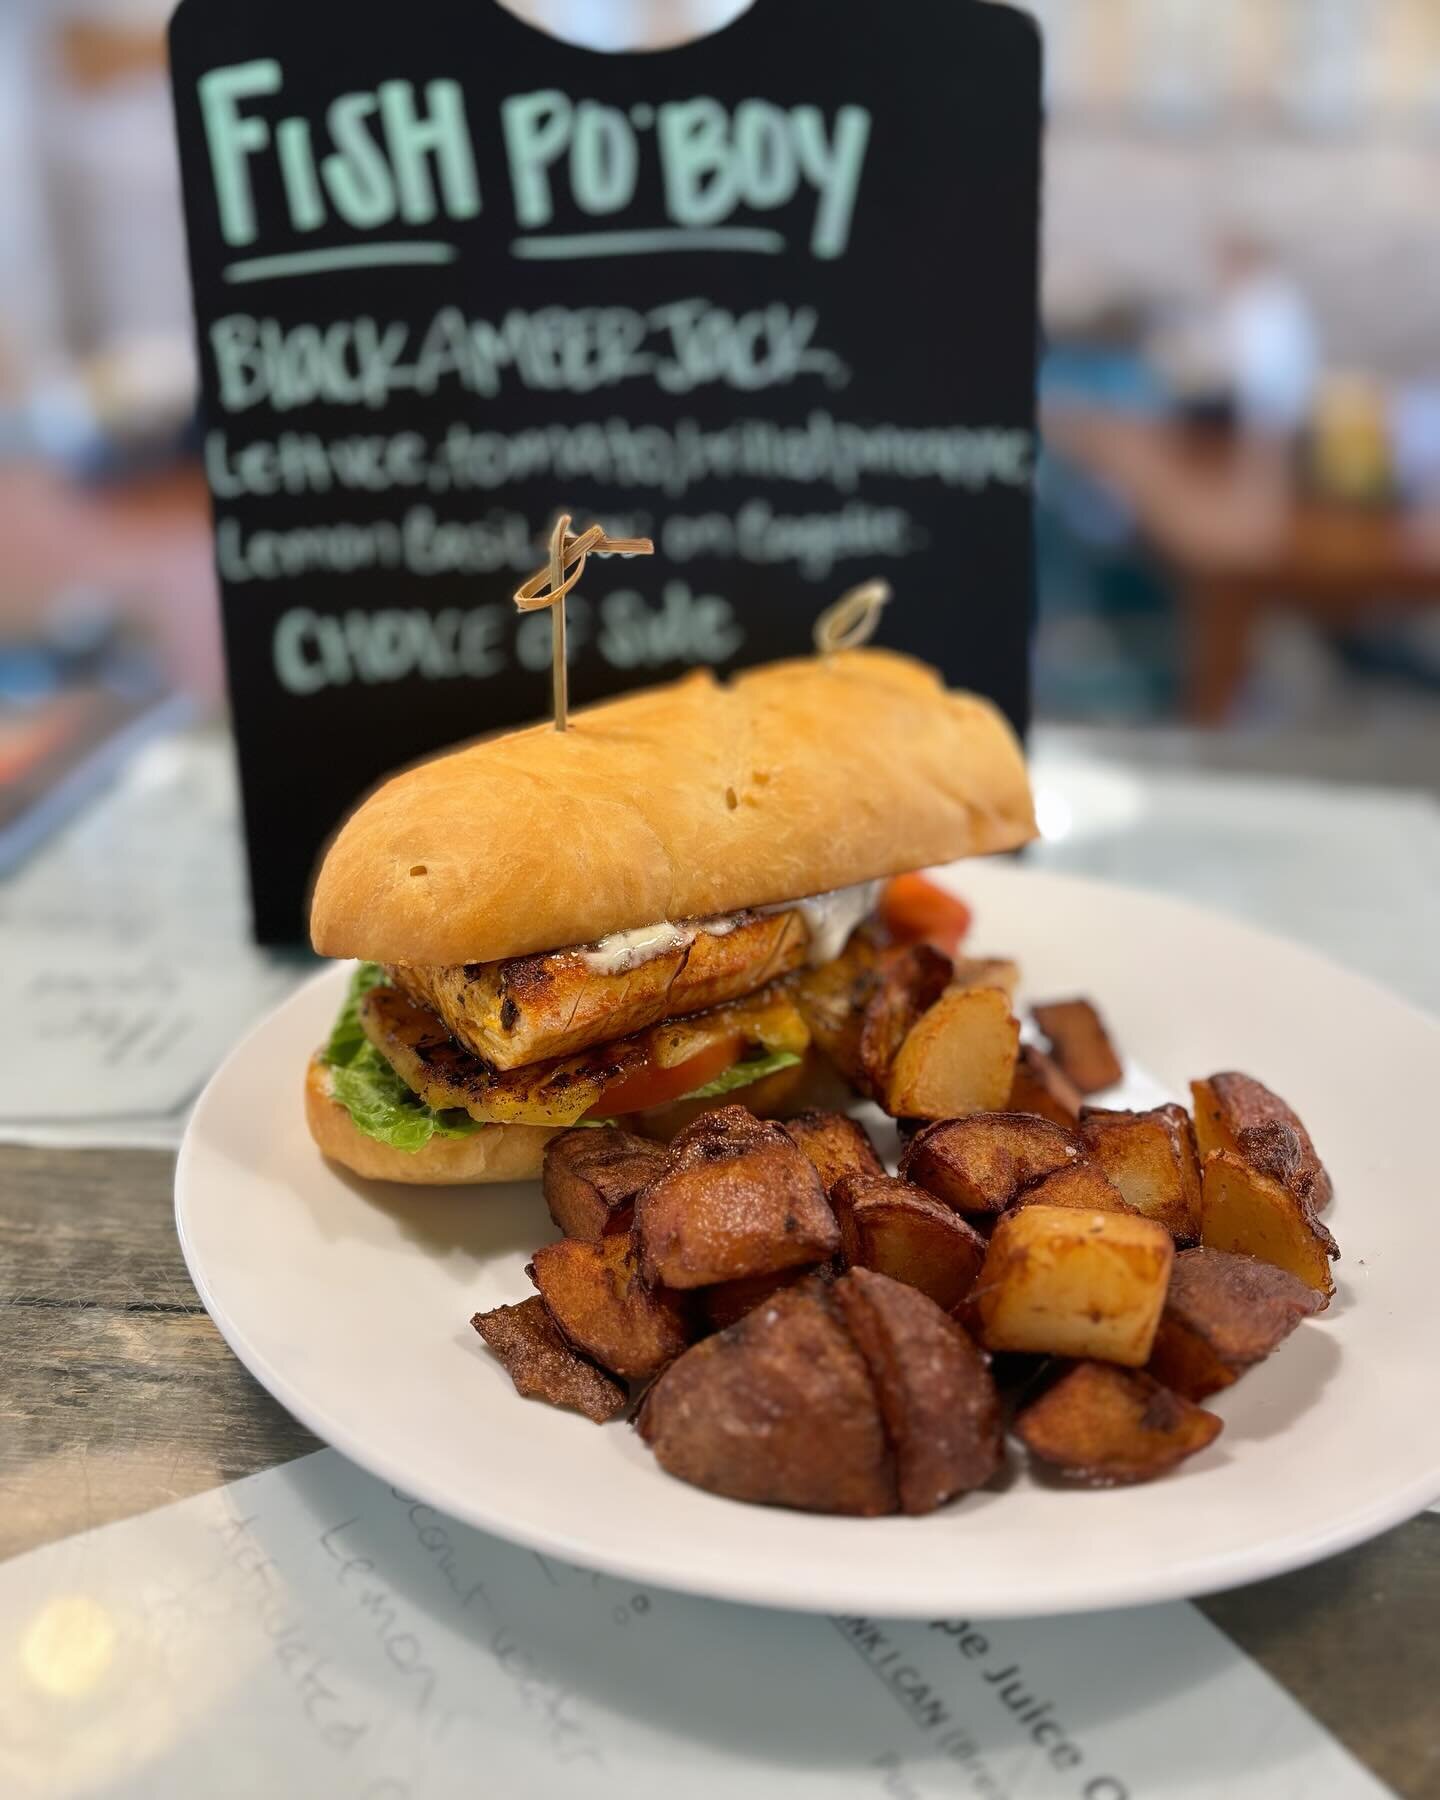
point(1239, 519)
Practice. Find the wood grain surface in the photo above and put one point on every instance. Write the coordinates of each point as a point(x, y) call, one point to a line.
point(117, 1394)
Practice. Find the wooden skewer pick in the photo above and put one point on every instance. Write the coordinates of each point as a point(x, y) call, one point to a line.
point(852, 620)
point(549, 586)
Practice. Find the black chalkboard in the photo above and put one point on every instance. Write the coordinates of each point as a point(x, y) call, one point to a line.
point(768, 297)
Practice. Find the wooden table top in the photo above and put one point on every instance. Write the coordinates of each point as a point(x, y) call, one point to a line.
point(1224, 506)
point(117, 1394)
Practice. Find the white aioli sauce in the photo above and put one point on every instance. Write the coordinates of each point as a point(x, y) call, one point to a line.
point(829, 919)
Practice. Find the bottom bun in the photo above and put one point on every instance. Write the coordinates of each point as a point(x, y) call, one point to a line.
point(516, 1152)
point(493, 1153)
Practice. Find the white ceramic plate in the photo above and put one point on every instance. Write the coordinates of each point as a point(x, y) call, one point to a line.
point(351, 1303)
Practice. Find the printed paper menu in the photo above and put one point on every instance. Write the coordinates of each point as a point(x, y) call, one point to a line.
point(312, 1631)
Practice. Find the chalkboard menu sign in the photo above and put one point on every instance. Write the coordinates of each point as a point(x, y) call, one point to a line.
point(768, 298)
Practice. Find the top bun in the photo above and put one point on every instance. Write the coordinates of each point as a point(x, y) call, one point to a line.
point(675, 802)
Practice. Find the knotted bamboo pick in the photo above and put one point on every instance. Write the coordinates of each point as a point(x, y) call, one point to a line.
point(853, 619)
point(548, 586)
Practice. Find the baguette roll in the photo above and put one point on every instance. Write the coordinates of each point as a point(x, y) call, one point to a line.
point(683, 801)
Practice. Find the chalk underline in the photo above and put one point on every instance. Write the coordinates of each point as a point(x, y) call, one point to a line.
point(351, 256)
point(645, 243)
point(575, 246)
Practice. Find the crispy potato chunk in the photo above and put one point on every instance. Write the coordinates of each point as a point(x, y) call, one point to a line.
point(1223, 1314)
point(940, 1407)
point(596, 1297)
point(1042, 1086)
point(1080, 1043)
point(904, 985)
point(1069, 1283)
point(1228, 1104)
point(739, 1198)
point(1245, 1210)
point(1104, 1426)
point(981, 1163)
point(1151, 1158)
point(591, 1176)
point(895, 1229)
point(728, 1301)
point(960, 1058)
point(779, 1409)
point(836, 1144)
point(1083, 1185)
point(543, 1366)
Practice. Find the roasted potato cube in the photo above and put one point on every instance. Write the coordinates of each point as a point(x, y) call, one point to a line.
point(904, 985)
point(836, 1144)
point(1223, 1314)
point(591, 1176)
point(1103, 1426)
point(940, 1407)
point(960, 1058)
point(780, 1408)
point(738, 1198)
point(1083, 1185)
point(728, 1301)
point(1150, 1157)
point(1228, 1104)
point(595, 1295)
point(543, 1366)
point(1042, 1086)
point(1069, 1283)
point(1245, 1210)
point(980, 1163)
point(1080, 1043)
point(986, 971)
point(895, 1229)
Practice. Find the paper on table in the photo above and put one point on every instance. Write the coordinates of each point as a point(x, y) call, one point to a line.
point(127, 972)
point(311, 1632)
point(111, 1035)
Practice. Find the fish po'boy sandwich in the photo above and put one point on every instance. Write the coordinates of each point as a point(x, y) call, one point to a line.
point(614, 922)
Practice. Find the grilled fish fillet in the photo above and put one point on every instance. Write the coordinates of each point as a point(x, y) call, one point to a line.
point(561, 1090)
point(531, 1008)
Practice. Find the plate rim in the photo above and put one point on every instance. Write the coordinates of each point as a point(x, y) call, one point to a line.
point(1186, 1578)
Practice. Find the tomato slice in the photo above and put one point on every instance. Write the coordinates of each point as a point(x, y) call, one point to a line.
point(917, 911)
point(651, 1085)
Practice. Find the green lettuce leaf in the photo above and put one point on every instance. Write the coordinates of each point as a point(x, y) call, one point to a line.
point(741, 1074)
point(377, 1100)
point(383, 1107)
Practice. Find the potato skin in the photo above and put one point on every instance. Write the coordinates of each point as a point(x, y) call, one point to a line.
point(543, 1366)
point(1223, 1314)
point(836, 1144)
point(738, 1198)
point(1041, 1086)
point(1069, 1283)
point(1229, 1103)
point(722, 1305)
point(1080, 1043)
point(898, 1230)
point(591, 1176)
point(1105, 1426)
point(979, 1164)
point(940, 1407)
point(594, 1294)
point(1250, 1212)
point(779, 1409)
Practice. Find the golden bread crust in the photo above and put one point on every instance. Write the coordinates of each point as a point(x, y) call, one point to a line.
point(676, 802)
